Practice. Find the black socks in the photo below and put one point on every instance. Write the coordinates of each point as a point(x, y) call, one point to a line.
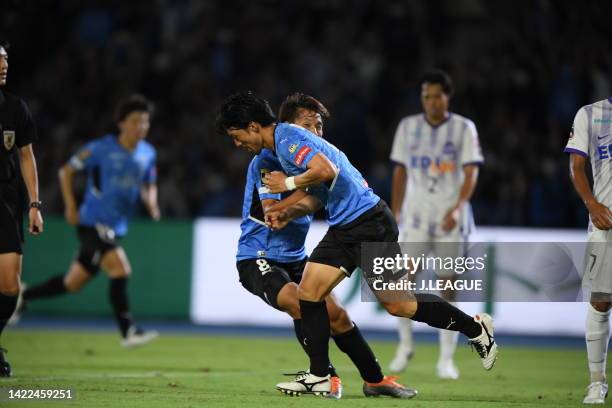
point(52, 287)
point(118, 298)
point(354, 345)
point(438, 313)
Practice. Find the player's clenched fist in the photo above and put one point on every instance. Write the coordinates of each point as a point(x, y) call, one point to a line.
point(601, 216)
point(275, 181)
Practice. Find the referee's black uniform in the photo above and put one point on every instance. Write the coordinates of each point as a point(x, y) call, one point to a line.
point(16, 130)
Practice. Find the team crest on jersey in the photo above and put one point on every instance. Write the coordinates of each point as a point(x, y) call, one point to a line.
point(571, 135)
point(9, 139)
point(293, 148)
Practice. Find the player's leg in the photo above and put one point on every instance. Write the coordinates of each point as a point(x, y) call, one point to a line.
point(10, 272)
point(349, 340)
point(597, 276)
point(451, 246)
point(117, 266)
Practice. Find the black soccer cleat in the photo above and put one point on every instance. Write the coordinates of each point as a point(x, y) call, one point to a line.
point(5, 367)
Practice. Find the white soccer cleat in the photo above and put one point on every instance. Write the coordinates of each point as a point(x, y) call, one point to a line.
point(596, 393)
point(447, 370)
point(138, 337)
point(485, 344)
point(306, 383)
point(401, 359)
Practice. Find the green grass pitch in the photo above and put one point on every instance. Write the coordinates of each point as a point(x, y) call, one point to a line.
point(214, 371)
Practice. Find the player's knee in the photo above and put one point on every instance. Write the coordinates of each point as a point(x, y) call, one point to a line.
point(287, 301)
point(601, 306)
point(309, 293)
point(400, 309)
point(339, 321)
point(10, 289)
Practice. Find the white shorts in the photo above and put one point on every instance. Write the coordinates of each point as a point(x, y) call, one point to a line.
point(598, 262)
point(421, 242)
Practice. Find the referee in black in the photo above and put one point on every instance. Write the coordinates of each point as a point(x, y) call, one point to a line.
point(17, 162)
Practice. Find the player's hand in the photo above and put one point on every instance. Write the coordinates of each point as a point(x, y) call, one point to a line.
point(449, 222)
point(601, 216)
point(72, 215)
point(275, 181)
point(155, 213)
point(276, 220)
point(36, 224)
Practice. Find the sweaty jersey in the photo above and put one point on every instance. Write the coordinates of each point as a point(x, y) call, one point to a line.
point(434, 157)
point(114, 178)
point(591, 137)
point(345, 197)
point(257, 240)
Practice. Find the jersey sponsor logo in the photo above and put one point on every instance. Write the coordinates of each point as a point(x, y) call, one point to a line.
point(301, 155)
point(436, 164)
point(9, 139)
point(293, 148)
point(604, 151)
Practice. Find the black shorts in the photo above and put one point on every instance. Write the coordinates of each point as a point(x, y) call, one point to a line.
point(265, 278)
point(11, 220)
point(341, 245)
point(95, 242)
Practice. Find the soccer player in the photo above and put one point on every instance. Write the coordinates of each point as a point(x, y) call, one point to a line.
point(270, 263)
point(591, 139)
point(120, 169)
point(355, 215)
point(16, 161)
point(437, 157)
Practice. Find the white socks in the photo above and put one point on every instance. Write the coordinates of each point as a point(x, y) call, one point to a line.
point(404, 330)
point(597, 335)
point(448, 344)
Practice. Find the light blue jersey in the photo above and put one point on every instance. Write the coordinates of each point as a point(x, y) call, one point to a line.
point(345, 197)
point(257, 240)
point(114, 178)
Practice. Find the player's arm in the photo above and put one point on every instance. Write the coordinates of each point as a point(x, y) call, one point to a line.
point(398, 189)
point(66, 175)
point(275, 205)
point(601, 216)
point(279, 219)
point(30, 178)
point(319, 170)
point(148, 194)
point(470, 172)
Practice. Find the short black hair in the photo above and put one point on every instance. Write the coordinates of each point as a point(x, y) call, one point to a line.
point(4, 44)
point(290, 106)
point(133, 103)
point(240, 109)
point(437, 76)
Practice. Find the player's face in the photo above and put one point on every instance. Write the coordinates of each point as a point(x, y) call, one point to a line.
point(310, 120)
point(249, 138)
point(3, 66)
point(136, 125)
point(434, 100)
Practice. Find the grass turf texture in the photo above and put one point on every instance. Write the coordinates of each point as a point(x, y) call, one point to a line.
point(214, 371)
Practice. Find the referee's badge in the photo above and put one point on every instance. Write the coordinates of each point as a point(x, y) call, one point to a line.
point(9, 139)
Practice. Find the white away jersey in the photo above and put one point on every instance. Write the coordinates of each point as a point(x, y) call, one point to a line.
point(434, 157)
point(591, 137)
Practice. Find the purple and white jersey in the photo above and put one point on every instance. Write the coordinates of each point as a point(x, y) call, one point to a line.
point(591, 137)
point(434, 157)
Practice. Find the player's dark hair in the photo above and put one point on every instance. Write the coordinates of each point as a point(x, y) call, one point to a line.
point(4, 44)
point(133, 103)
point(239, 109)
point(437, 76)
point(289, 108)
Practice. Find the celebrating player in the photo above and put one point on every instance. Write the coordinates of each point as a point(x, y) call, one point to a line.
point(355, 215)
point(17, 161)
point(120, 169)
point(591, 139)
point(270, 263)
point(436, 156)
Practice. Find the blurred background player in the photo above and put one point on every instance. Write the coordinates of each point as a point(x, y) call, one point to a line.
point(120, 169)
point(591, 139)
point(437, 156)
point(354, 214)
point(16, 162)
point(270, 263)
